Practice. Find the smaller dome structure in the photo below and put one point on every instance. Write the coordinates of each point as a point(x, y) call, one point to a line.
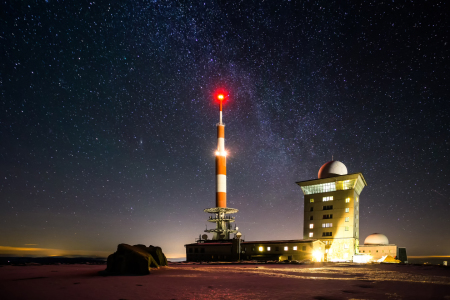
point(376, 239)
point(331, 169)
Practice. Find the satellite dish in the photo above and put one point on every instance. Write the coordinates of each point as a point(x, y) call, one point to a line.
point(205, 236)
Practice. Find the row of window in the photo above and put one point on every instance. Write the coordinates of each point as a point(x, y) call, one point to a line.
point(202, 250)
point(390, 251)
point(286, 248)
point(330, 207)
point(329, 243)
point(326, 225)
point(330, 250)
point(330, 216)
point(329, 198)
point(261, 248)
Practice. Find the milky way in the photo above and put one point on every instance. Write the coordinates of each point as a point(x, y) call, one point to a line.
point(108, 122)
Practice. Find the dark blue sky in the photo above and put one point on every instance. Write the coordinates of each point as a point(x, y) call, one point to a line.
point(107, 120)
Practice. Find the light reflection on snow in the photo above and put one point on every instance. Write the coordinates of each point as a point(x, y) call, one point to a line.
point(323, 273)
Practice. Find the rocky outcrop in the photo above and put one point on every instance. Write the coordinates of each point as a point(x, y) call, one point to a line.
point(137, 259)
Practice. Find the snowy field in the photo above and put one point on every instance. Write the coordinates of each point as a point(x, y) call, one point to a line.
point(229, 281)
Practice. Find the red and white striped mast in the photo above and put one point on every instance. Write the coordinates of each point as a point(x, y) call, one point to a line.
point(221, 161)
point(223, 222)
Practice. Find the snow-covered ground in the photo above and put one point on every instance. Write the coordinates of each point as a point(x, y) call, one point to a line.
point(229, 281)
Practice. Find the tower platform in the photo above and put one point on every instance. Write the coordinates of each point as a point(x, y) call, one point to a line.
point(223, 222)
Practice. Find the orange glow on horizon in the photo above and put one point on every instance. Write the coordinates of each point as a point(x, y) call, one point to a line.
point(28, 251)
point(41, 252)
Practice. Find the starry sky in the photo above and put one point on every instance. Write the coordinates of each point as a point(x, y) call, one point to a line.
point(108, 133)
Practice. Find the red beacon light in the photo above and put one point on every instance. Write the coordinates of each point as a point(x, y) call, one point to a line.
point(220, 97)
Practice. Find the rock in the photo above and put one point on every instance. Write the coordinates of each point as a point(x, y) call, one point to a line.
point(137, 259)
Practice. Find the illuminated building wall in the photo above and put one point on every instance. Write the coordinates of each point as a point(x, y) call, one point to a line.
point(378, 251)
point(300, 250)
point(331, 213)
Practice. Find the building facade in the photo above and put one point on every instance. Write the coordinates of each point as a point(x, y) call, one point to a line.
point(236, 249)
point(331, 210)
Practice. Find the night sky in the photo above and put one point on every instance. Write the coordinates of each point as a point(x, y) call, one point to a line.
point(108, 132)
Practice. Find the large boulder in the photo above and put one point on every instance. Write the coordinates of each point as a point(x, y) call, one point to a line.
point(137, 259)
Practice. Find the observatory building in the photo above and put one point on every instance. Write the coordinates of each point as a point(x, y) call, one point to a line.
point(331, 210)
point(377, 245)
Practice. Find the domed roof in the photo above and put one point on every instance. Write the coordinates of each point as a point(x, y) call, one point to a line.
point(376, 239)
point(332, 168)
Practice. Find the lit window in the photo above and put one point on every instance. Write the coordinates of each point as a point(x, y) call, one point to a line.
point(311, 200)
point(346, 228)
point(356, 217)
point(311, 226)
point(327, 225)
point(347, 200)
point(286, 248)
point(326, 250)
point(357, 199)
point(345, 255)
point(347, 219)
point(329, 198)
point(268, 248)
point(261, 249)
point(294, 248)
point(345, 246)
point(310, 234)
point(347, 209)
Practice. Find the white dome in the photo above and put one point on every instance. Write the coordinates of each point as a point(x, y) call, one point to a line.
point(376, 239)
point(331, 169)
